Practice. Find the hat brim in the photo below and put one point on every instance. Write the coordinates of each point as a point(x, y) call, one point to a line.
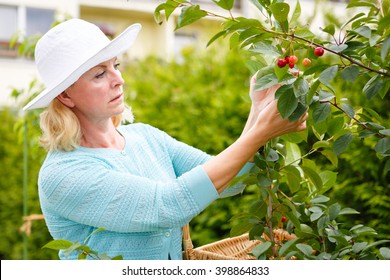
point(114, 48)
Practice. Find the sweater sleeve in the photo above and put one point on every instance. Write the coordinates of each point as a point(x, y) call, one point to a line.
point(185, 157)
point(85, 191)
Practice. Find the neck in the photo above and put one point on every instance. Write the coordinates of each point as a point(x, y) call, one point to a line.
point(102, 136)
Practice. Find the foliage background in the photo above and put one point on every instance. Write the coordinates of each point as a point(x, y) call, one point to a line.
point(203, 101)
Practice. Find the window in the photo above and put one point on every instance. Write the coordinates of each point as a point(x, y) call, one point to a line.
point(8, 22)
point(38, 20)
point(25, 19)
point(183, 40)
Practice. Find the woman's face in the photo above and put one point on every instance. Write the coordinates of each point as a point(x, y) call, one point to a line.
point(98, 93)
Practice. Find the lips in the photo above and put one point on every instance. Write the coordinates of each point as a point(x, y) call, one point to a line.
point(118, 97)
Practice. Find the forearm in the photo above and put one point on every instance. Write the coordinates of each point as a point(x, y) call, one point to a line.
point(222, 168)
point(250, 123)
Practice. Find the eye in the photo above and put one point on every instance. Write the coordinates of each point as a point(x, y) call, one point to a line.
point(116, 65)
point(100, 75)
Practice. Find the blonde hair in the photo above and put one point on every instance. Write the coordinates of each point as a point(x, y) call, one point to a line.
point(61, 128)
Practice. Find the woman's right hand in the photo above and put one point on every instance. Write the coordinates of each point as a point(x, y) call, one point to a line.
point(261, 98)
point(271, 124)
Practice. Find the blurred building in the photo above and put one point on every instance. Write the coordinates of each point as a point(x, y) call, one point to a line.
point(31, 17)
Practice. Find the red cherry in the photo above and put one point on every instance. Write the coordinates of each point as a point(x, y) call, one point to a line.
point(293, 59)
point(287, 58)
point(284, 219)
point(306, 62)
point(318, 51)
point(281, 63)
point(291, 65)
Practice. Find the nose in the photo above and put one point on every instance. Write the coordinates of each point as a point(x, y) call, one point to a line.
point(116, 77)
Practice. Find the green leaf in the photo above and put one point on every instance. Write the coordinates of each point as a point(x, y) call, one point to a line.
point(373, 87)
point(334, 211)
point(301, 87)
point(350, 73)
point(352, 19)
point(190, 15)
point(104, 257)
point(225, 4)
point(298, 112)
point(240, 228)
point(305, 249)
point(261, 249)
point(256, 231)
point(82, 256)
point(338, 48)
point(266, 81)
point(383, 145)
point(385, 89)
point(328, 75)
point(287, 102)
point(335, 125)
point(315, 216)
point(292, 216)
point(385, 132)
point(385, 252)
point(282, 73)
point(321, 144)
point(358, 247)
point(385, 48)
point(320, 112)
point(293, 178)
point(266, 48)
point(348, 110)
point(341, 143)
point(326, 95)
point(348, 211)
point(258, 208)
point(331, 156)
point(293, 154)
point(363, 31)
point(322, 223)
point(296, 14)
point(168, 7)
point(330, 29)
point(71, 249)
point(313, 90)
point(59, 244)
point(304, 32)
point(320, 199)
point(286, 246)
point(316, 209)
point(257, 4)
point(263, 180)
point(216, 37)
point(364, 230)
point(272, 155)
point(384, 21)
point(313, 176)
point(92, 233)
point(280, 11)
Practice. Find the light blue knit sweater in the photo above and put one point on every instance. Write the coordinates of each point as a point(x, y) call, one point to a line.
point(142, 196)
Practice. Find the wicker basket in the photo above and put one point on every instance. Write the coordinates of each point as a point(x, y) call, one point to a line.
point(235, 248)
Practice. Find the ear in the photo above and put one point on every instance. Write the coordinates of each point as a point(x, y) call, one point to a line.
point(65, 99)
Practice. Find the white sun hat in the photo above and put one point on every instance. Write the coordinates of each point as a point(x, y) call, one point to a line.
point(70, 49)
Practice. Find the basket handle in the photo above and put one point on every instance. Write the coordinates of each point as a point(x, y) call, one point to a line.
point(187, 242)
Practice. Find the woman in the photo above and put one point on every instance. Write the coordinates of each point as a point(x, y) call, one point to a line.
point(139, 184)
